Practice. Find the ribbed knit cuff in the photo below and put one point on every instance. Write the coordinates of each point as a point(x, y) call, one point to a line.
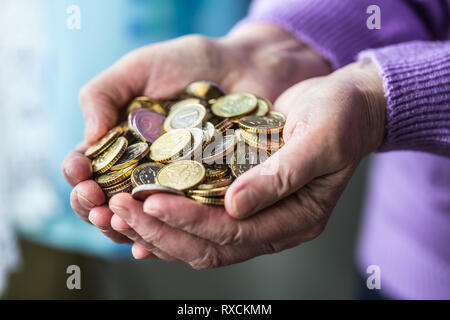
point(336, 28)
point(416, 80)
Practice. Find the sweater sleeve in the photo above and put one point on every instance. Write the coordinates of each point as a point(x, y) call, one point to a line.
point(416, 80)
point(337, 29)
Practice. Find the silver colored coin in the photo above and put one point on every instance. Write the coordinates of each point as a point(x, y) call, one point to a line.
point(187, 116)
point(195, 150)
point(210, 132)
point(143, 191)
point(216, 151)
point(145, 173)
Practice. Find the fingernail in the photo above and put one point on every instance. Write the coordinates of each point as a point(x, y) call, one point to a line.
point(148, 209)
point(71, 176)
point(244, 203)
point(85, 203)
point(118, 209)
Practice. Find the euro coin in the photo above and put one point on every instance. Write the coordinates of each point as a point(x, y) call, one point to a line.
point(205, 90)
point(224, 125)
point(212, 184)
point(104, 142)
point(145, 173)
point(217, 171)
point(114, 177)
point(147, 124)
point(141, 192)
point(264, 106)
point(175, 106)
point(211, 201)
point(210, 132)
point(258, 124)
point(188, 116)
point(245, 158)
point(132, 155)
point(195, 150)
point(146, 103)
point(273, 142)
point(182, 175)
point(216, 151)
point(234, 105)
point(109, 157)
point(124, 186)
point(277, 115)
point(216, 192)
point(170, 145)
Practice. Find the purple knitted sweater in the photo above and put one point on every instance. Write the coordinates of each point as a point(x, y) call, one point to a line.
point(406, 228)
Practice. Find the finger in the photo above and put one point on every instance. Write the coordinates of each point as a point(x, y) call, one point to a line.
point(280, 175)
point(89, 194)
point(197, 252)
point(101, 218)
point(76, 168)
point(80, 211)
point(118, 224)
point(140, 253)
point(289, 217)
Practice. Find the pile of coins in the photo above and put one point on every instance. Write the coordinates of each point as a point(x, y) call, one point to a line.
point(193, 146)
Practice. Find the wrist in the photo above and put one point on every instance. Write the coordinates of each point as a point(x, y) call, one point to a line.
point(365, 77)
point(274, 53)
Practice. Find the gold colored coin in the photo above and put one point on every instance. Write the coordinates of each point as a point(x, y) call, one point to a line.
point(207, 185)
point(205, 90)
point(104, 142)
point(212, 201)
point(217, 171)
point(224, 125)
point(264, 106)
point(124, 186)
point(188, 116)
point(234, 105)
point(258, 124)
point(277, 115)
point(132, 155)
point(146, 103)
point(246, 157)
point(262, 141)
point(216, 192)
point(114, 177)
point(182, 175)
point(108, 158)
point(170, 145)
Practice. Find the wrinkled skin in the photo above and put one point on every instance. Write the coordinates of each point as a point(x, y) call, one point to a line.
point(332, 123)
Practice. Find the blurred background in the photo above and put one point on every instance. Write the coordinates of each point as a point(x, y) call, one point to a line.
point(45, 59)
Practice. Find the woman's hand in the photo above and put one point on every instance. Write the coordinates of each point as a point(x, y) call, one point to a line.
point(332, 123)
point(258, 58)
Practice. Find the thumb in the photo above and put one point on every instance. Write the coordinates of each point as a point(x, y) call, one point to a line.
point(99, 117)
point(286, 171)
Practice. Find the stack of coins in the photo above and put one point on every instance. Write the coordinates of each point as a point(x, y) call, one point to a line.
point(192, 146)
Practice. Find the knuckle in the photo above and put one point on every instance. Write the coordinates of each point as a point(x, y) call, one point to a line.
point(209, 260)
point(235, 237)
point(284, 179)
point(152, 235)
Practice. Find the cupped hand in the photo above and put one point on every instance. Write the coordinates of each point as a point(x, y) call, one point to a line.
point(332, 123)
point(258, 58)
